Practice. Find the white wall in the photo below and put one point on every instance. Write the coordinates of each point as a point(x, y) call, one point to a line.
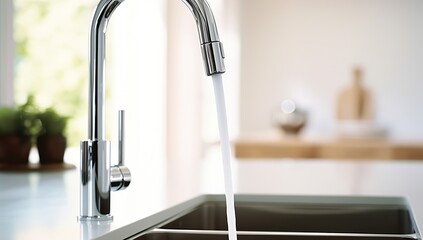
point(306, 50)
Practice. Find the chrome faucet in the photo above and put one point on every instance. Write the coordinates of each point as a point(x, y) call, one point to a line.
point(98, 177)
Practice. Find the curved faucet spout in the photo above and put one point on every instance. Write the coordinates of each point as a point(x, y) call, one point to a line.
point(211, 47)
point(97, 177)
point(206, 24)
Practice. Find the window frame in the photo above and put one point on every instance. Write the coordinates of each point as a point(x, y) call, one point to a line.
point(7, 49)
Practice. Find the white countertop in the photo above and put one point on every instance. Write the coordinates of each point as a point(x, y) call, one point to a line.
point(45, 205)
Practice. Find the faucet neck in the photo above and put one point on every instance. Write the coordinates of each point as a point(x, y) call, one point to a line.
point(96, 111)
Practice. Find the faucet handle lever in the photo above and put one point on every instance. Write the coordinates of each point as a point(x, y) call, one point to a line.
point(120, 176)
point(121, 136)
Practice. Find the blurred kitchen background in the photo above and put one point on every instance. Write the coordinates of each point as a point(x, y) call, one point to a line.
point(275, 50)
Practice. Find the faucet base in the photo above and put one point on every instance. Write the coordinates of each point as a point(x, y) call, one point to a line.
point(95, 180)
point(95, 218)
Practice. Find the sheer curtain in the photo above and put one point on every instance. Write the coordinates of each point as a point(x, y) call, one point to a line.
point(136, 72)
point(184, 81)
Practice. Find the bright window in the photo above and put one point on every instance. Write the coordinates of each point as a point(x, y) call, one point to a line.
point(52, 63)
point(51, 57)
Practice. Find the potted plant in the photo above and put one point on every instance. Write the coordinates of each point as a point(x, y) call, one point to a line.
point(51, 141)
point(18, 127)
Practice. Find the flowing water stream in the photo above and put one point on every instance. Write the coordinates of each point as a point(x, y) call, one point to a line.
point(226, 154)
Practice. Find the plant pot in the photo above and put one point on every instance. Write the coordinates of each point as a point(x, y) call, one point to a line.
point(14, 150)
point(51, 148)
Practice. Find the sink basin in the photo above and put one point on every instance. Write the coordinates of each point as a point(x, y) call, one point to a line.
point(278, 218)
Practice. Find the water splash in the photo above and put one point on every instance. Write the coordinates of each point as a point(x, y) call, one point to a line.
point(225, 148)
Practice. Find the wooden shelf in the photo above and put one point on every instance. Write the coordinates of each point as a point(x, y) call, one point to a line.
point(276, 145)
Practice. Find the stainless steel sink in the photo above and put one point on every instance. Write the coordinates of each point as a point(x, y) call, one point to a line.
point(278, 218)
